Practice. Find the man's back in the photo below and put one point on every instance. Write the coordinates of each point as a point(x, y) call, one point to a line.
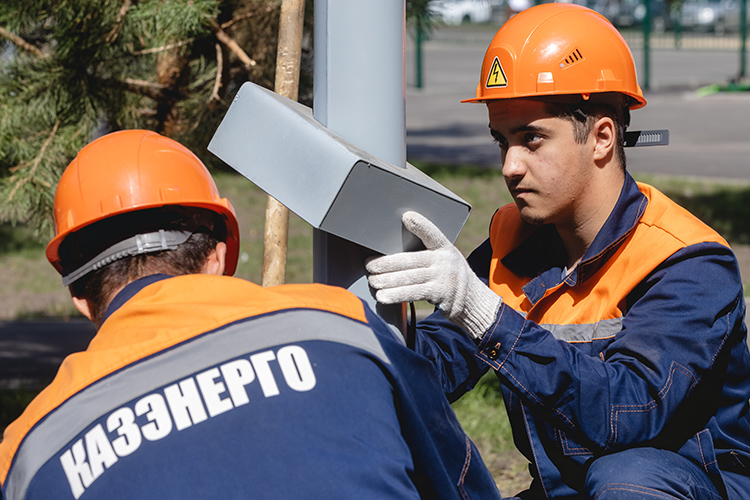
point(212, 387)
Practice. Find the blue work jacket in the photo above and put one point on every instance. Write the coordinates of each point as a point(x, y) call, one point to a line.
point(212, 387)
point(643, 344)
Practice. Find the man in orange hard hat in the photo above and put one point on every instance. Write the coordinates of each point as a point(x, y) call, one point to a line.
point(199, 385)
point(613, 318)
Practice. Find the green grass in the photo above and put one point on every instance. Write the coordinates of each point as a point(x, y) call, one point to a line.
point(482, 414)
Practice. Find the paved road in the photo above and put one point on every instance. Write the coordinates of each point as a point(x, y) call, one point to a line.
point(31, 351)
point(710, 136)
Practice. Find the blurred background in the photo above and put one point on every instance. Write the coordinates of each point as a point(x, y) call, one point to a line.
point(71, 70)
point(691, 59)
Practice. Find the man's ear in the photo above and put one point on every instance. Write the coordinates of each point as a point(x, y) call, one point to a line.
point(605, 135)
point(216, 261)
point(83, 306)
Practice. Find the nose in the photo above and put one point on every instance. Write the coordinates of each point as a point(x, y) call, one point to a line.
point(513, 164)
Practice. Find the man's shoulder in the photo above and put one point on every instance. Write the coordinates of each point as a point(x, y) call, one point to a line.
point(667, 216)
point(248, 298)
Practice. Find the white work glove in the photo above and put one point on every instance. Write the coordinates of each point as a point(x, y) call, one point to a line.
point(439, 275)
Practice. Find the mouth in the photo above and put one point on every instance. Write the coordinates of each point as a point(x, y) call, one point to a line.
point(520, 191)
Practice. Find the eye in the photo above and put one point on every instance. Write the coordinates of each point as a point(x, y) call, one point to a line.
point(532, 137)
point(501, 142)
point(533, 140)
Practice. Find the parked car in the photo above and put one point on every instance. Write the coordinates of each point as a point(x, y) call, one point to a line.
point(463, 11)
point(630, 13)
point(716, 16)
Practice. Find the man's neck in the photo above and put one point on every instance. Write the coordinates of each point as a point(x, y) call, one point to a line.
point(578, 236)
point(126, 292)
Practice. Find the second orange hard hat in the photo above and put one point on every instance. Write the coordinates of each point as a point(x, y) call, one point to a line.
point(558, 49)
point(134, 170)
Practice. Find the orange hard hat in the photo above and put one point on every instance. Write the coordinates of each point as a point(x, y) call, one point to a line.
point(133, 170)
point(558, 49)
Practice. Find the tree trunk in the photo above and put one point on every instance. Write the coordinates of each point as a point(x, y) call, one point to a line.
point(173, 72)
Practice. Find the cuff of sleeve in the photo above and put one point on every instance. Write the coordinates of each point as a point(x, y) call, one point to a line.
point(499, 342)
point(481, 315)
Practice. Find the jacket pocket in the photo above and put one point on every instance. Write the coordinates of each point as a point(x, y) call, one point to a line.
point(569, 447)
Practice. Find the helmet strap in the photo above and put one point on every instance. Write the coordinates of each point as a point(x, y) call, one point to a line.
point(156, 241)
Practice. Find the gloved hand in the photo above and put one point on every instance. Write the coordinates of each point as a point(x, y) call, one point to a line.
point(439, 275)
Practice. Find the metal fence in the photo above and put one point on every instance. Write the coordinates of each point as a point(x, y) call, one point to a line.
point(685, 44)
point(681, 25)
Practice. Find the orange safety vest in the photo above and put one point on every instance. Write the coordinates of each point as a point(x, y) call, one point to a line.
point(664, 228)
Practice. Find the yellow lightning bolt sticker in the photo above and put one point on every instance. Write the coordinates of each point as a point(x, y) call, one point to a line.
point(496, 78)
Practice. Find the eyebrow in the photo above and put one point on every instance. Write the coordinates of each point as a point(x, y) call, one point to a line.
point(521, 128)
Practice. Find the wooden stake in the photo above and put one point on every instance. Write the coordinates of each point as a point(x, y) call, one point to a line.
point(288, 58)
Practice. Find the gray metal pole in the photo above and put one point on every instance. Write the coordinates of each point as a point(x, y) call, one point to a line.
point(359, 93)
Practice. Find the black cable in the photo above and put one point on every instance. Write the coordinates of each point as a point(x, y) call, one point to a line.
point(411, 327)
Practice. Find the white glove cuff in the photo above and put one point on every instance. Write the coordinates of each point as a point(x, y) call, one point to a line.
point(476, 318)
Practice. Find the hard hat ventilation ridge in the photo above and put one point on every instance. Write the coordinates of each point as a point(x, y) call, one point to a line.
point(574, 57)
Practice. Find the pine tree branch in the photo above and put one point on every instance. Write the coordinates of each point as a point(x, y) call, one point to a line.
point(163, 48)
point(224, 38)
point(155, 91)
point(247, 15)
point(16, 168)
point(237, 19)
point(21, 43)
point(115, 31)
point(35, 165)
point(217, 81)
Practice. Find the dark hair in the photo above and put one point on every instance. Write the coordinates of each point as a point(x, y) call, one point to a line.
point(208, 229)
point(584, 113)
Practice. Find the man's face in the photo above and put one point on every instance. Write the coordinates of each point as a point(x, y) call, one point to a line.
point(546, 171)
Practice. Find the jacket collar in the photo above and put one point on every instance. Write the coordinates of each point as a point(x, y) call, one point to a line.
point(543, 252)
point(130, 290)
